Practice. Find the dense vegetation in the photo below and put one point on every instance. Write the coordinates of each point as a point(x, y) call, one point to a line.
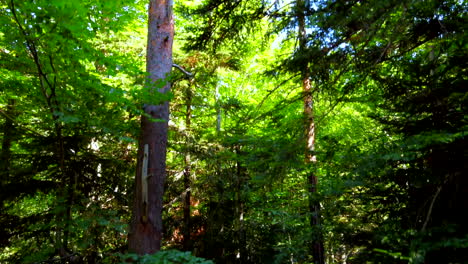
point(388, 92)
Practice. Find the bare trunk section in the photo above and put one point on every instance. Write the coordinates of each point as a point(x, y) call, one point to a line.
point(309, 126)
point(187, 172)
point(239, 206)
point(8, 134)
point(218, 110)
point(146, 227)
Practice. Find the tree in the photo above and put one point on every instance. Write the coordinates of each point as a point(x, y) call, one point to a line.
point(59, 65)
point(401, 59)
point(310, 137)
point(146, 227)
point(8, 130)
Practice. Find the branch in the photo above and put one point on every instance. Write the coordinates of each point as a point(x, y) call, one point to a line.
point(430, 208)
point(251, 113)
point(189, 75)
point(3, 113)
point(182, 195)
point(270, 92)
point(34, 53)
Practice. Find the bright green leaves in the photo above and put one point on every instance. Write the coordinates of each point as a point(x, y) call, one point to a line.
point(68, 69)
point(389, 87)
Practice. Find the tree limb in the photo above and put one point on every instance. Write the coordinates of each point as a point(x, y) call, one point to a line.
point(430, 208)
point(188, 74)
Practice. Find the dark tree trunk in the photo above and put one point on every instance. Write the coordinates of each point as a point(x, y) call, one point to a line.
point(146, 226)
point(187, 172)
point(8, 133)
point(309, 125)
point(218, 110)
point(240, 207)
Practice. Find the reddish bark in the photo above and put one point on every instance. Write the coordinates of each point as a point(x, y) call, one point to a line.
point(146, 227)
point(187, 173)
point(309, 125)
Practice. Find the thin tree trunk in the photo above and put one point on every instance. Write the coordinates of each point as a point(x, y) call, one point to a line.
point(146, 227)
point(240, 178)
point(8, 133)
point(64, 212)
point(8, 136)
point(309, 125)
point(218, 110)
point(71, 189)
point(187, 172)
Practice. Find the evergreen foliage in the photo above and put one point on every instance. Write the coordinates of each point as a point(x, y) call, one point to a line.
point(389, 84)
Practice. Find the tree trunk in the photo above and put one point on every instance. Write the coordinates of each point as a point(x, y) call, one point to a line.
point(187, 172)
point(8, 134)
point(240, 204)
point(309, 126)
point(146, 227)
point(218, 110)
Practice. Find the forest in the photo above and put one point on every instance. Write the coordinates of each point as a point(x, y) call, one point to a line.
point(233, 131)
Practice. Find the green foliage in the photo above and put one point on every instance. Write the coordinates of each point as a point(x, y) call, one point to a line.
point(389, 88)
point(62, 183)
point(165, 257)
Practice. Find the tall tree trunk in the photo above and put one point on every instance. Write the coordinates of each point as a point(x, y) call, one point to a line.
point(240, 204)
point(187, 172)
point(146, 226)
point(309, 125)
point(8, 134)
point(218, 110)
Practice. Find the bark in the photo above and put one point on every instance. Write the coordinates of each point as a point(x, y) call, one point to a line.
point(310, 157)
point(218, 110)
point(8, 134)
point(71, 189)
point(146, 227)
point(241, 243)
point(187, 173)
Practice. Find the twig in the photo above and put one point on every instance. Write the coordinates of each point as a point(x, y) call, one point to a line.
point(430, 208)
